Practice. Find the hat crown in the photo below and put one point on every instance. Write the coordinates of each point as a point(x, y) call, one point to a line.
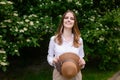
point(70, 64)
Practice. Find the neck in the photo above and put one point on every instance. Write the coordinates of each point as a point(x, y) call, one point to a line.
point(67, 32)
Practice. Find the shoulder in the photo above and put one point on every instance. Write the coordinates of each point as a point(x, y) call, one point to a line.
point(53, 38)
point(80, 40)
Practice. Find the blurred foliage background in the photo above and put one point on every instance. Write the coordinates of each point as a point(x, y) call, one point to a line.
point(26, 23)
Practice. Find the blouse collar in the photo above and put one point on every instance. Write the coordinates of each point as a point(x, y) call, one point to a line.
point(65, 39)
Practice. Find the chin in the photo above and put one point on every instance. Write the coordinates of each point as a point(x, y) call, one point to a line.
point(69, 27)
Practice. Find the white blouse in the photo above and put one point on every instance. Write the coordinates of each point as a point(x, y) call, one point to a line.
point(55, 50)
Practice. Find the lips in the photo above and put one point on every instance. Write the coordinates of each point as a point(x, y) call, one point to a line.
point(68, 23)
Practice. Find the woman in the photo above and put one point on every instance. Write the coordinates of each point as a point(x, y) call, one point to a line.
point(67, 39)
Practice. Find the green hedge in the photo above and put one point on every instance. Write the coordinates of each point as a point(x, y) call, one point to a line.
point(24, 23)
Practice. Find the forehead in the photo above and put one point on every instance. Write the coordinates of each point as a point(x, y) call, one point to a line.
point(69, 14)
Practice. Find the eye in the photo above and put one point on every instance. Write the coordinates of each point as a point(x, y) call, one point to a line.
point(72, 18)
point(65, 17)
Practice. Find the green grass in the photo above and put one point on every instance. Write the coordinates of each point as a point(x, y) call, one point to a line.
point(94, 74)
point(44, 72)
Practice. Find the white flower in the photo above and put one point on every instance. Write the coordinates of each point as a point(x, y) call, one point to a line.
point(42, 3)
point(0, 36)
point(99, 15)
point(3, 26)
point(47, 27)
point(51, 2)
point(41, 18)
point(60, 15)
point(107, 27)
point(21, 22)
point(78, 3)
point(21, 30)
point(101, 25)
point(46, 16)
point(2, 51)
point(3, 63)
point(31, 23)
point(16, 29)
point(69, 0)
point(101, 38)
point(16, 50)
point(24, 16)
point(2, 3)
point(9, 21)
point(37, 21)
point(91, 2)
point(34, 15)
point(4, 58)
point(103, 29)
point(76, 12)
point(119, 48)
point(28, 40)
point(31, 9)
point(88, 32)
point(98, 41)
point(15, 14)
point(9, 2)
point(92, 18)
point(97, 28)
point(27, 20)
point(25, 29)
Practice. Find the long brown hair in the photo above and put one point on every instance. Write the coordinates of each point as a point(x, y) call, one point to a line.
point(75, 31)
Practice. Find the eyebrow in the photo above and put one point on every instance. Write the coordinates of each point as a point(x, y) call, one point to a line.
point(70, 17)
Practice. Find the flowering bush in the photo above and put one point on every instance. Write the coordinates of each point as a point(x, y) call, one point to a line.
point(25, 22)
point(17, 32)
point(101, 38)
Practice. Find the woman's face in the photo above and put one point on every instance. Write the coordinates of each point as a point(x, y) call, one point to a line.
point(68, 21)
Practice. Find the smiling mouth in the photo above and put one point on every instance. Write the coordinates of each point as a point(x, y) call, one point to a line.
point(68, 23)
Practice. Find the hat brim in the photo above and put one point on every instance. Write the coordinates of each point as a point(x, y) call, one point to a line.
point(70, 64)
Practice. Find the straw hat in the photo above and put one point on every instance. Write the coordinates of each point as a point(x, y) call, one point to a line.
point(70, 64)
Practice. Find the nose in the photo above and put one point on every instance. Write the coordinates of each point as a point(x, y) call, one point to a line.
point(69, 19)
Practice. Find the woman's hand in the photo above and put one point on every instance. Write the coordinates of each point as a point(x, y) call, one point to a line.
point(82, 63)
point(55, 60)
point(56, 63)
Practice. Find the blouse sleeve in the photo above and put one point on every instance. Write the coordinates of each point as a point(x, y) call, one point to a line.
point(81, 50)
point(50, 55)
